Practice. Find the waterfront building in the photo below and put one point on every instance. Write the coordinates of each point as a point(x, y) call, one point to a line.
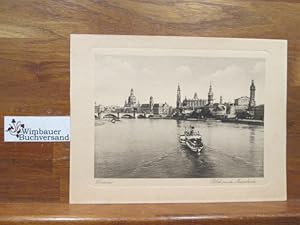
point(145, 108)
point(178, 100)
point(166, 109)
point(193, 103)
point(130, 103)
point(244, 100)
point(99, 108)
point(259, 112)
point(241, 104)
point(252, 96)
point(138, 107)
point(148, 108)
point(209, 107)
point(219, 111)
point(171, 110)
point(230, 111)
point(245, 103)
point(112, 108)
point(162, 109)
point(131, 100)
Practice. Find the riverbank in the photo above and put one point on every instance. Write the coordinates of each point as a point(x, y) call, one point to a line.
point(100, 122)
point(244, 121)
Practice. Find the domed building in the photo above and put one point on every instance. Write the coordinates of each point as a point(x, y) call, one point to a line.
point(131, 103)
point(131, 100)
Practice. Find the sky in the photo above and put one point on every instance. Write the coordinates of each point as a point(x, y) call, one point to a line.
point(158, 76)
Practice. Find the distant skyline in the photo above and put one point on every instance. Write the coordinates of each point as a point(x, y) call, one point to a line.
point(159, 76)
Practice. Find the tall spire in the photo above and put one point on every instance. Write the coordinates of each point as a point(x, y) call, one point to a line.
point(210, 95)
point(195, 96)
point(178, 100)
point(252, 96)
point(151, 103)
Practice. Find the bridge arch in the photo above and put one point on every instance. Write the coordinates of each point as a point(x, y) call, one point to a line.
point(127, 116)
point(109, 116)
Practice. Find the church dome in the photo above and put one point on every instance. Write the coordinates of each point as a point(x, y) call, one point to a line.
point(131, 98)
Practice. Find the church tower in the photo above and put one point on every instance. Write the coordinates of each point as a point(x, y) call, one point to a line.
point(131, 99)
point(210, 95)
point(221, 100)
point(196, 96)
point(252, 96)
point(151, 103)
point(178, 102)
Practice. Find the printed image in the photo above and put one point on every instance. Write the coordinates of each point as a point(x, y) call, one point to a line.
point(178, 117)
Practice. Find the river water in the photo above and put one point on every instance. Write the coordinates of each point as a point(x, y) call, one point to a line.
point(149, 148)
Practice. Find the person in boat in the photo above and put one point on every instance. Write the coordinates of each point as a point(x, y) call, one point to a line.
point(192, 132)
point(186, 133)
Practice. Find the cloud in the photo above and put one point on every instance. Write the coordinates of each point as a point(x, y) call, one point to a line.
point(159, 77)
point(113, 74)
point(228, 72)
point(231, 82)
point(148, 73)
point(111, 70)
point(183, 70)
point(115, 65)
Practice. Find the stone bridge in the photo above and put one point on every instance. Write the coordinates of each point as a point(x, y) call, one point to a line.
point(119, 115)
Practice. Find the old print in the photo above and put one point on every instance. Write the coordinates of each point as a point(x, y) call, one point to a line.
point(179, 117)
